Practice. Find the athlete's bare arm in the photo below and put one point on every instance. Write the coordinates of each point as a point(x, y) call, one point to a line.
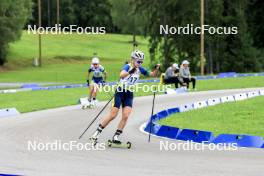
point(155, 71)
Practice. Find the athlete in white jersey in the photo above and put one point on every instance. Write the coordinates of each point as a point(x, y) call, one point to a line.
point(98, 78)
point(128, 76)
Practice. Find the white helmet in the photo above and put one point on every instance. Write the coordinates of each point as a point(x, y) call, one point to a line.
point(175, 66)
point(95, 60)
point(138, 55)
point(185, 62)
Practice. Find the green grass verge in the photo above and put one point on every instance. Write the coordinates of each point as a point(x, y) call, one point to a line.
point(37, 100)
point(45, 99)
point(231, 83)
point(243, 117)
point(66, 58)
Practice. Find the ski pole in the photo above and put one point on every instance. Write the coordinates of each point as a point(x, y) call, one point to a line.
point(96, 117)
point(152, 111)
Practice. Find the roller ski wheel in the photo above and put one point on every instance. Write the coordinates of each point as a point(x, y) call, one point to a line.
point(92, 106)
point(118, 144)
point(88, 107)
point(85, 106)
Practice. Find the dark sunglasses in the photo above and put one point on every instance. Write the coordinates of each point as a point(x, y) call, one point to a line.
point(95, 64)
point(140, 62)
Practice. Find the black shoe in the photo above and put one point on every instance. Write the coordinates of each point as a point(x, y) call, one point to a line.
point(93, 140)
point(116, 141)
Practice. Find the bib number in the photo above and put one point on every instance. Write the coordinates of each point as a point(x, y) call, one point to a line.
point(132, 80)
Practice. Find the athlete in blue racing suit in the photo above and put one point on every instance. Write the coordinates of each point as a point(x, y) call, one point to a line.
point(128, 76)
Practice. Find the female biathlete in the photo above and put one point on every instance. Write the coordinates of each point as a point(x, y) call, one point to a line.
point(128, 76)
point(98, 78)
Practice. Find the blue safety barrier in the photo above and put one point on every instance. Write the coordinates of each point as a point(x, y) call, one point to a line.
point(240, 140)
point(153, 127)
point(34, 87)
point(37, 88)
point(154, 118)
point(203, 136)
point(226, 74)
point(29, 85)
point(148, 80)
point(205, 77)
point(195, 135)
point(173, 110)
point(162, 114)
point(168, 131)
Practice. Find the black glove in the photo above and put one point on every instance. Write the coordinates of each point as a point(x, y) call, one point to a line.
point(132, 71)
point(103, 83)
point(88, 83)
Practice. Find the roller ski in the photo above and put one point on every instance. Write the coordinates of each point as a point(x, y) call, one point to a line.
point(88, 104)
point(118, 144)
point(84, 103)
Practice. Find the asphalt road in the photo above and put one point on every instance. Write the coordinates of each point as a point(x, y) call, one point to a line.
point(67, 123)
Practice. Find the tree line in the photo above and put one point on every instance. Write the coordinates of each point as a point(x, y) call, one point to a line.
point(243, 52)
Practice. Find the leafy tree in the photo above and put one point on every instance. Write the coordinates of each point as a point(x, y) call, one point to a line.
point(93, 13)
point(127, 19)
point(49, 13)
point(173, 47)
point(223, 52)
point(123, 16)
point(13, 16)
point(255, 18)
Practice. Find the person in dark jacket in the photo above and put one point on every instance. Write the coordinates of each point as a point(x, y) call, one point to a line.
point(172, 76)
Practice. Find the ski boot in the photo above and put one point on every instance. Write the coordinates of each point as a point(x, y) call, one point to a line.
point(93, 104)
point(93, 141)
point(94, 138)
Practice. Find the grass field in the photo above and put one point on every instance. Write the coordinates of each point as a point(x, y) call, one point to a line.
point(67, 57)
point(244, 117)
point(37, 100)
